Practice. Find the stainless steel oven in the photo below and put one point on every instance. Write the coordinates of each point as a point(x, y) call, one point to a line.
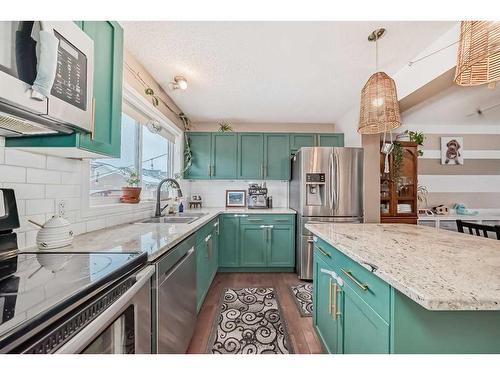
point(116, 322)
point(46, 77)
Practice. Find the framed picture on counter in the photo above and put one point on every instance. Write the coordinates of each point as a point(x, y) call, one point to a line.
point(236, 198)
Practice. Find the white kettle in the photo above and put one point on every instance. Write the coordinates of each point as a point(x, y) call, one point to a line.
point(55, 233)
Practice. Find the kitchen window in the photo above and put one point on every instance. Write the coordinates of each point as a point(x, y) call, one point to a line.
point(145, 150)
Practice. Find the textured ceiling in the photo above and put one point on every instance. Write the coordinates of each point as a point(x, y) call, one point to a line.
point(272, 71)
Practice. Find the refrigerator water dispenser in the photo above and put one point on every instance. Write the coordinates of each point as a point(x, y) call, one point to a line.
point(315, 189)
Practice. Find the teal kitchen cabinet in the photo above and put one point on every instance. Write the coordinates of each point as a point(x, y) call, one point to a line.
point(325, 320)
point(253, 245)
point(250, 156)
point(201, 150)
point(298, 140)
point(107, 91)
point(330, 140)
point(364, 331)
point(228, 240)
point(206, 249)
point(223, 157)
point(257, 242)
point(281, 248)
point(276, 156)
point(376, 318)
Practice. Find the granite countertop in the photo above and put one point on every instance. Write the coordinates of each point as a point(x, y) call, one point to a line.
point(438, 269)
point(154, 238)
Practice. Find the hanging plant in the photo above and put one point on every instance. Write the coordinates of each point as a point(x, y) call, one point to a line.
point(225, 126)
point(154, 99)
point(188, 156)
point(398, 161)
point(418, 138)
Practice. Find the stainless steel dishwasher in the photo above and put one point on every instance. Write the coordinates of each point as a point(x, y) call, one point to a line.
point(176, 299)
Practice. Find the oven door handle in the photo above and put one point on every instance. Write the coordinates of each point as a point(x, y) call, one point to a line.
point(85, 337)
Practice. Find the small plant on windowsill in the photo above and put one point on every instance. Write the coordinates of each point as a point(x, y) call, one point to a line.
point(132, 192)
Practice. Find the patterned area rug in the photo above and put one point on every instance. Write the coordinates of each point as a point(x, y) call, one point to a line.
point(249, 322)
point(302, 295)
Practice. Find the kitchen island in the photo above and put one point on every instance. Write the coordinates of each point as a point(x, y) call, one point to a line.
point(391, 288)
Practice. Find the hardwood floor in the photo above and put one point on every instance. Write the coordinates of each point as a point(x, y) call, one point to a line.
point(300, 329)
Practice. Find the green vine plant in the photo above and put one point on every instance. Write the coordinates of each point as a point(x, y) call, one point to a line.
point(398, 161)
point(418, 138)
point(154, 99)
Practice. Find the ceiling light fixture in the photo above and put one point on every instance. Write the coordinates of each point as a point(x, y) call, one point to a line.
point(379, 110)
point(179, 82)
point(478, 59)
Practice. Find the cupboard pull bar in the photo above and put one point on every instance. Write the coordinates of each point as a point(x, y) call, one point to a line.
point(333, 308)
point(323, 252)
point(262, 170)
point(330, 296)
point(254, 219)
point(209, 170)
point(337, 312)
point(349, 274)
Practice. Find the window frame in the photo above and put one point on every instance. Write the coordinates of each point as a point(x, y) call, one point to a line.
point(136, 100)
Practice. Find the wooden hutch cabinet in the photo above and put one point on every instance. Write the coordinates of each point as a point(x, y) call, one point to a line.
point(398, 188)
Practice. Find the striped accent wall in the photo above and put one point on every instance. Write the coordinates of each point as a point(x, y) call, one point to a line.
point(475, 183)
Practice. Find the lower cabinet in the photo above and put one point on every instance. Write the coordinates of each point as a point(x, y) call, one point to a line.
point(326, 323)
point(364, 331)
point(254, 241)
point(257, 241)
point(206, 262)
point(345, 323)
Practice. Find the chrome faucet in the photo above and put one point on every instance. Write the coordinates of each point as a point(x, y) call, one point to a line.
point(159, 210)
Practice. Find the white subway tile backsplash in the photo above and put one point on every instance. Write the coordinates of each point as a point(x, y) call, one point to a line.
point(27, 191)
point(24, 159)
point(12, 174)
point(62, 191)
point(61, 164)
point(71, 178)
point(39, 206)
point(42, 176)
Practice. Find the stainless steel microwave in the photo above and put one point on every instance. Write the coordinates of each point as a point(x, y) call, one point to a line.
point(46, 78)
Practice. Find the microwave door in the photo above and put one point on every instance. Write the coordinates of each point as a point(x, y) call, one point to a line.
point(18, 60)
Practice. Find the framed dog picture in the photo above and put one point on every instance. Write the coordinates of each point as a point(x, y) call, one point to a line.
point(452, 150)
point(236, 198)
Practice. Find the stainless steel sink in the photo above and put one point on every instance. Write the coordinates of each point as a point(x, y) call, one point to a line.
point(183, 218)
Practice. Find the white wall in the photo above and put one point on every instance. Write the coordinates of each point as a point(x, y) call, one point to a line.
point(41, 182)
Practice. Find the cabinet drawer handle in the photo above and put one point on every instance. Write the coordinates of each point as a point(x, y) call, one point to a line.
point(349, 274)
point(330, 296)
point(323, 252)
point(254, 219)
point(209, 170)
point(281, 220)
point(236, 215)
point(333, 308)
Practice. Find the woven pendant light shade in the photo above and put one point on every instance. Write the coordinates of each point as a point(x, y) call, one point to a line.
point(478, 60)
point(379, 105)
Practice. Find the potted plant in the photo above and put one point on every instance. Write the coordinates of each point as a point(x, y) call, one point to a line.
point(132, 192)
point(418, 138)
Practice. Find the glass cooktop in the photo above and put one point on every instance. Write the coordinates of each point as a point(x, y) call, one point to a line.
point(46, 283)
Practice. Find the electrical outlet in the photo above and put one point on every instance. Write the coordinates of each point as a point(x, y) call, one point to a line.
point(61, 205)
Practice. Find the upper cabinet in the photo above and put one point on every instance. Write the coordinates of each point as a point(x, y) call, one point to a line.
point(107, 101)
point(276, 156)
point(249, 156)
point(298, 140)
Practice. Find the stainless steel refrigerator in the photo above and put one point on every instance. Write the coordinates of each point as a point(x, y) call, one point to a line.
point(326, 186)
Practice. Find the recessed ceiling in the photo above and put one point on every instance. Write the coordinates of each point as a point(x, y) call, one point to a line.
point(272, 71)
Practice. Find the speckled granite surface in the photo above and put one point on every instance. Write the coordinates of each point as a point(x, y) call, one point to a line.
point(438, 269)
point(155, 239)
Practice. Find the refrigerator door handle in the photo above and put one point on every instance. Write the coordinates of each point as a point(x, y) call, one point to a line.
point(332, 188)
point(337, 179)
